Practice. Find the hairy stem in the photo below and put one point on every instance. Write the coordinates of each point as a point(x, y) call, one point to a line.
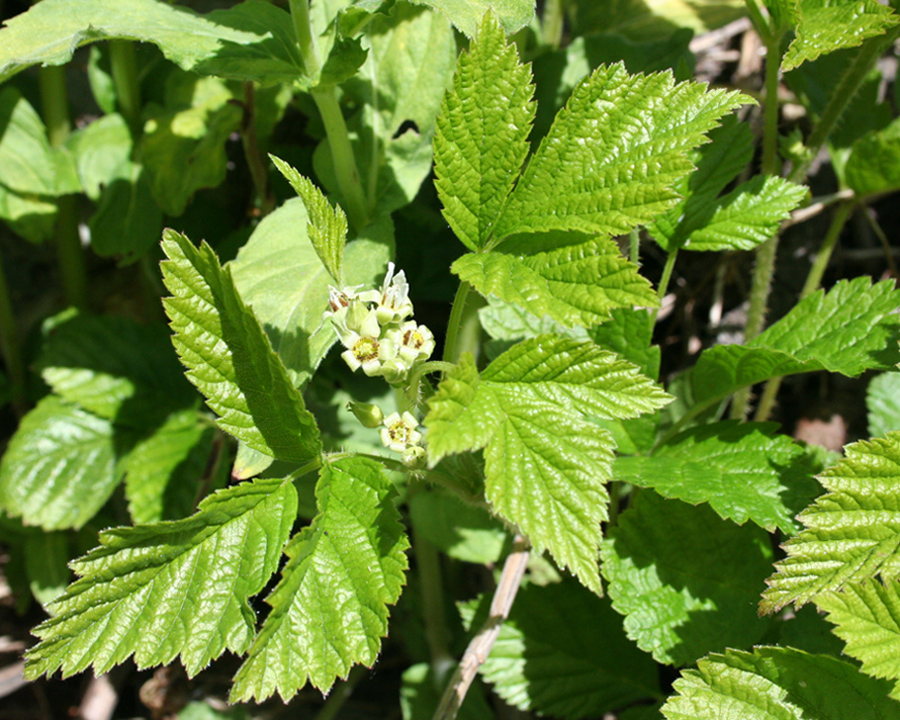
point(10, 347)
point(480, 646)
point(552, 22)
point(451, 352)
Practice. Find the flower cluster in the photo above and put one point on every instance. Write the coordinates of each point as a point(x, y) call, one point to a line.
point(375, 328)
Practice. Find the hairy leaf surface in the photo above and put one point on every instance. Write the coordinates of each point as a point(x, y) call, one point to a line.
point(171, 589)
point(330, 609)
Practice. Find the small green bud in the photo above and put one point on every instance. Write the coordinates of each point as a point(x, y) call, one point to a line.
point(368, 414)
point(414, 457)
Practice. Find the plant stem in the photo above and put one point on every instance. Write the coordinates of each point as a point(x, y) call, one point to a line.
point(614, 489)
point(252, 154)
point(306, 40)
point(451, 353)
point(552, 22)
point(10, 347)
point(125, 77)
point(634, 247)
point(480, 646)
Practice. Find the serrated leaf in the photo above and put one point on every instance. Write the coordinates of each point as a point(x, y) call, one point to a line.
point(280, 275)
point(852, 533)
point(330, 609)
point(481, 135)
point(850, 329)
point(545, 464)
point(867, 618)
point(629, 332)
point(826, 27)
point(60, 466)
point(467, 14)
point(327, 227)
point(578, 283)
point(684, 579)
point(544, 662)
point(872, 167)
point(745, 471)
point(171, 589)
point(774, 683)
point(251, 41)
point(883, 403)
point(229, 358)
point(633, 132)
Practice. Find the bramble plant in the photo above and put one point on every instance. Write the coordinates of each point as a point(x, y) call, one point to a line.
point(628, 523)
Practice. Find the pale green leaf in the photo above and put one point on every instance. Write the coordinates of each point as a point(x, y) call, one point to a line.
point(330, 609)
point(883, 402)
point(545, 464)
point(547, 662)
point(577, 283)
point(327, 226)
point(279, 274)
point(29, 216)
point(640, 20)
point(874, 163)
point(171, 589)
point(100, 149)
point(59, 467)
point(785, 13)
point(613, 154)
point(685, 580)
point(745, 471)
point(482, 135)
point(251, 41)
point(852, 532)
point(229, 358)
point(828, 26)
point(867, 618)
point(467, 14)
point(773, 683)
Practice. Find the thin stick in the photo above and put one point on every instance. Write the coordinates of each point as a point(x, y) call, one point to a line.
point(480, 646)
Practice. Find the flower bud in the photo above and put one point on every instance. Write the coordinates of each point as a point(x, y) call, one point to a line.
point(368, 414)
point(414, 457)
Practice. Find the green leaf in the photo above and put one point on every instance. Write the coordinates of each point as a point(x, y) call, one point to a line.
point(629, 332)
point(252, 41)
point(29, 216)
point(60, 466)
point(280, 275)
point(867, 618)
point(774, 683)
point(164, 472)
point(852, 532)
point(229, 358)
point(171, 589)
point(872, 167)
point(640, 20)
point(467, 14)
point(330, 609)
point(482, 135)
point(46, 563)
point(420, 696)
point(327, 227)
point(850, 329)
point(634, 133)
point(100, 149)
point(745, 471)
point(544, 662)
point(577, 283)
point(545, 464)
point(685, 580)
point(828, 26)
point(883, 402)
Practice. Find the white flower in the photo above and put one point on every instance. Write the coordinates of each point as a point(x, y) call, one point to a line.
point(368, 353)
point(394, 304)
point(354, 321)
point(400, 433)
point(416, 342)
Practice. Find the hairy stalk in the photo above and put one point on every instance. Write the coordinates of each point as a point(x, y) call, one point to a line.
point(10, 347)
point(664, 280)
point(480, 646)
point(552, 22)
point(255, 162)
point(125, 77)
point(451, 352)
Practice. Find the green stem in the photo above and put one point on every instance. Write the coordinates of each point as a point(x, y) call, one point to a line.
point(252, 154)
point(760, 24)
point(306, 40)
point(451, 353)
point(9, 346)
point(667, 274)
point(634, 247)
point(55, 103)
point(125, 77)
point(614, 489)
point(770, 162)
point(552, 22)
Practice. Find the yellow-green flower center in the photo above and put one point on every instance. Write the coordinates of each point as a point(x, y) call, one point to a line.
point(365, 349)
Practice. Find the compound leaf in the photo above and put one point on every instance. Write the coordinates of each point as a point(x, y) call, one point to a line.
point(852, 532)
point(330, 609)
point(481, 135)
point(545, 464)
point(229, 358)
point(172, 588)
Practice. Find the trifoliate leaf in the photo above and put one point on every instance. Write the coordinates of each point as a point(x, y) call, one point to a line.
point(850, 329)
point(172, 589)
point(867, 618)
point(481, 135)
point(852, 533)
point(229, 358)
point(544, 662)
point(613, 154)
point(467, 14)
point(578, 283)
point(545, 464)
point(330, 609)
point(883, 402)
point(327, 227)
point(60, 466)
point(745, 471)
point(685, 580)
point(826, 27)
point(774, 683)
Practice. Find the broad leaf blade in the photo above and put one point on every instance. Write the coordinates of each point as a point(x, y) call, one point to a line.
point(634, 133)
point(481, 135)
point(175, 589)
point(229, 358)
point(852, 533)
point(330, 609)
point(883, 402)
point(467, 14)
